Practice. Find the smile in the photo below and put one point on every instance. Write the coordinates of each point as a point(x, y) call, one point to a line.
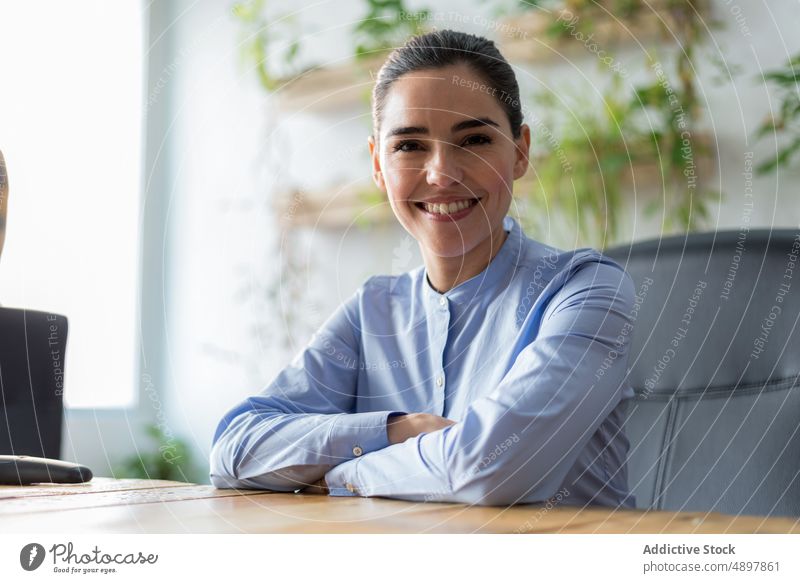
point(454, 210)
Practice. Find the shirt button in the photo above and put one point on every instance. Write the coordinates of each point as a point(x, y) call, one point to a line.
point(350, 487)
point(442, 301)
point(357, 451)
point(439, 381)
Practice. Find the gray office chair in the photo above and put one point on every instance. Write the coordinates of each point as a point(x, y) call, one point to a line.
point(32, 352)
point(715, 359)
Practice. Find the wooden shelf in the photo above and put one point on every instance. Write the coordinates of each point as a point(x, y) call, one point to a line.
point(330, 88)
point(522, 39)
point(647, 174)
point(527, 37)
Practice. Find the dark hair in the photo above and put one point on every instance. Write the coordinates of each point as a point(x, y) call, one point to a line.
point(441, 48)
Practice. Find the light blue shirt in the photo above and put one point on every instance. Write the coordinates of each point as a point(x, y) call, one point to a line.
point(529, 358)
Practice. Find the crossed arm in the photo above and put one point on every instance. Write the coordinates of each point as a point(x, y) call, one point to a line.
point(542, 413)
point(399, 428)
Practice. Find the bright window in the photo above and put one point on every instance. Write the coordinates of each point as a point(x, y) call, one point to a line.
point(71, 105)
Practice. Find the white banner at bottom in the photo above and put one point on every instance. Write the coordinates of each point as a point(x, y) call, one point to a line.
point(407, 558)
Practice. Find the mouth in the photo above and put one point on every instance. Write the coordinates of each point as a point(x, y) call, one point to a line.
point(448, 211)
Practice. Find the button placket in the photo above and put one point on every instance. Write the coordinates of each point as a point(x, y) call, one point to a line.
point(443, 321)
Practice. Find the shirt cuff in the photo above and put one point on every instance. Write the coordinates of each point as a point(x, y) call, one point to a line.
point(354, 434)
point(371, 430)
point(342, 480)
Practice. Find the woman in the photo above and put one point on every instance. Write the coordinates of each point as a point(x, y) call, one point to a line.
point(494, 373)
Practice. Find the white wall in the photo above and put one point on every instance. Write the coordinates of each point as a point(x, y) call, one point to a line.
point(220, 234)
point(102, 438)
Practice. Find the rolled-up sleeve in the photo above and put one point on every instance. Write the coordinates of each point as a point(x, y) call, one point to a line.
point(519, 442)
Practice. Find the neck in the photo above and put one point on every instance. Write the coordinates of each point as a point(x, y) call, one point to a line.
point(445, 273)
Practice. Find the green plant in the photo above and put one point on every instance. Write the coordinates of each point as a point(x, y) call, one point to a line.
point(386, 25)
point(581, 173)
point(260, 33)
point(786, 123)
point(652, 123)
point(674, 144)
point(167, 458)
point(589, 12)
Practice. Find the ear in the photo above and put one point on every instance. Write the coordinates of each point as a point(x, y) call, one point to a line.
point(377, 173)
point(522, 150)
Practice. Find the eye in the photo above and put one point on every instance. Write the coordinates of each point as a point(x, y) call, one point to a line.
point(413, 146)
point(476, 139)
point(401, 146)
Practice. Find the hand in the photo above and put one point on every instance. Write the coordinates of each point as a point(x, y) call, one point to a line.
point(401, 427)
point(318, 487)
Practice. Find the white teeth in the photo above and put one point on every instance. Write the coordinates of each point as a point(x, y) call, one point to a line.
point(446, 209)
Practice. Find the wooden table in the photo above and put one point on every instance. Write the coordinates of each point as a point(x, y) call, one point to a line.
point(153, 506)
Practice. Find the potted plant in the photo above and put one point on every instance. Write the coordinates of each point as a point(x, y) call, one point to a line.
point(166, 458)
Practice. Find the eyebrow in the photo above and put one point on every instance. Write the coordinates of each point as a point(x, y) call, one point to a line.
point(462, 125)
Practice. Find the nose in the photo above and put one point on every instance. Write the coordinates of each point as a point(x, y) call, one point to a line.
point(443, 167)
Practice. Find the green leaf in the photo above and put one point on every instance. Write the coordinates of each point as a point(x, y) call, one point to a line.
point(294, 48)
point(781, 159)
point(767, 127)
point(783, 77)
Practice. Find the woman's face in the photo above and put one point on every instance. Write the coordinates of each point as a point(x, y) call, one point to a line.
point(447, 159)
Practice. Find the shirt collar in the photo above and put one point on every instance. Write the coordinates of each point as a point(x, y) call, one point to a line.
point(496, 274)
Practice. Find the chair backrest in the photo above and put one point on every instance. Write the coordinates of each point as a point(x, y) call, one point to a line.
point(32, 351)
point(715, 359)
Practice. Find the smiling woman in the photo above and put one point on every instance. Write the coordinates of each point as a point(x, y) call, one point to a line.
point(448, 144)
point(498, 399)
